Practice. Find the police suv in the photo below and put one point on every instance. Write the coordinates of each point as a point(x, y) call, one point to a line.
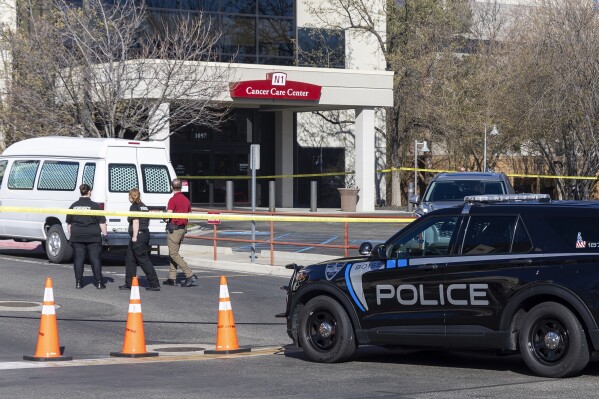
point(509, 273)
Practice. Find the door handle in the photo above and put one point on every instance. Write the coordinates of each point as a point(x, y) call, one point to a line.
point(428, 266)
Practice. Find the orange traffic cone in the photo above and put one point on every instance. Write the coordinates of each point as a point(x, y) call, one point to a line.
point(48, 348)
point(135, 340)
point(226, 334)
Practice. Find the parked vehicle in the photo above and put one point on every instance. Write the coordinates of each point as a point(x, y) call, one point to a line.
point(46, 172)
point(449, 189)
point(508, 273)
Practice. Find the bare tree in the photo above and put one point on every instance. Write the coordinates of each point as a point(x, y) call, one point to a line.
point(109, 70)
point(554, 87)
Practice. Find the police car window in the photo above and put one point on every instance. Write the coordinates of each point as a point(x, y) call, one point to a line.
point(58, 176)
point(522, 242)
point(2, 170)
point(575, 232)
point(156, 179)
point(89, 173)
point(22, 175)
point(429, 239)
point(122, 177)
point(489, 234)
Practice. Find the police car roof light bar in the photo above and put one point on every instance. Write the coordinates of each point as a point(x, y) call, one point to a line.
point(508, 198)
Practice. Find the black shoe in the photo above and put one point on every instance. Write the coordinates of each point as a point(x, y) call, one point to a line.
point(100, 285)
point(153, 288)
point(79, 284)
point(169, 281)
point(124, 287)
point(189, 281)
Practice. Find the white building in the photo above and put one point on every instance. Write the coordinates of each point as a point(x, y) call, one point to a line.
point(274, 94)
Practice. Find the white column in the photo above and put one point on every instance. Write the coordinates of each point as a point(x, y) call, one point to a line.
point(159, 125)
point(364, 163)
point(284, 158)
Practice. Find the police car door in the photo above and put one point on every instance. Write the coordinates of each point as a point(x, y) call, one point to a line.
point(403, 298)
point(491, 264)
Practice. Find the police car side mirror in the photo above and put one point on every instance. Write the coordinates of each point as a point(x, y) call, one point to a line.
point(379, 251)
point(414, 199)
point(365, 248)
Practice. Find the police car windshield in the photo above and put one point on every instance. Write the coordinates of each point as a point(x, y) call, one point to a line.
point(456, 190)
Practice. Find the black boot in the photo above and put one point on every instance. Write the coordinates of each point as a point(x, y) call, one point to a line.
point(79, 284)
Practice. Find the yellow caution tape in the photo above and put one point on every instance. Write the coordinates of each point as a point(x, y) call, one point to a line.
point(379, 171)
point(206, 216)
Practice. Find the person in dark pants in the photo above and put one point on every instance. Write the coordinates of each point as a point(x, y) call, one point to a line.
point(86, 235)
point(137, 251)
point(176, 229)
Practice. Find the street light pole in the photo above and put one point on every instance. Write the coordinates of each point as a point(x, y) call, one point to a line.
point(423, 149)
point(494, 132)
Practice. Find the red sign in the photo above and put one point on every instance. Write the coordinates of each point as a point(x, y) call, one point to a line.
point(213, 221)
point(275, 87)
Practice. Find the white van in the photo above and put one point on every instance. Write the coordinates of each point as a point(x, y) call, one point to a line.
point(46, 172)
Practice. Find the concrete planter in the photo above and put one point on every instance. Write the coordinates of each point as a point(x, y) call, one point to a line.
point(349, 199)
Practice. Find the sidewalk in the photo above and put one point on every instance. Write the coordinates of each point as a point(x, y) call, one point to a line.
point(203, 255)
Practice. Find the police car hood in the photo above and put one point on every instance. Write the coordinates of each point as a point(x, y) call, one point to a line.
point(427, 207)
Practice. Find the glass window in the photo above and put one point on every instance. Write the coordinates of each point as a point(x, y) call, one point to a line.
point(22, 175)
point(239, 6)
point(2, 170)
point(58, 176)
point(574, 232)
point(431, 238)
point(321, 47)
point(522, 242)
point(274, 37)
point(122, 178)
point(89, 173)
point(172, 4)
point(489, 234)
point(239, 35)
point(279, 8)
point(156, 179)
point(199, 5)
point(458, 189)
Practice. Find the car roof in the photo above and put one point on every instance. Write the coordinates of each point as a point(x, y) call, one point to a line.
point(527, 207)
point(452, 176)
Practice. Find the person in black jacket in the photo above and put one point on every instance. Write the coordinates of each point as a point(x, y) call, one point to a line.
point(86, 235)
point(137, 251)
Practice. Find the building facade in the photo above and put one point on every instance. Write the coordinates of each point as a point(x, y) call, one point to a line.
point(277, 90)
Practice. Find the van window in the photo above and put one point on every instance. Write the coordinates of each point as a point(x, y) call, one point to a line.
point(89, 172)
point(156, 179)
point(22, 175)
point(58, 176)
point(2, 170)
point(122, 177)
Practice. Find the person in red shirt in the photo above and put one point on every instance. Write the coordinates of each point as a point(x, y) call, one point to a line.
point(176, 229)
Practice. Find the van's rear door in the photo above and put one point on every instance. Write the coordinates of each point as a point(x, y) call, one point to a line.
point(156, 174)
point(122, 175)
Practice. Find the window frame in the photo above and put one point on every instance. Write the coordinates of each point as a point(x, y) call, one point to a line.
point(22, 161)
point(48, 162)
point(143, 178)
point(110, 165)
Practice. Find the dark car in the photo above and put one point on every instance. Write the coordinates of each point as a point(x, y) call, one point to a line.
point(507, 273)
point(449, 189)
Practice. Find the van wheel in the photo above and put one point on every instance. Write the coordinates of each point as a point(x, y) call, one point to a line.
point(553, 342)
point(58, 249)
point(325, 331)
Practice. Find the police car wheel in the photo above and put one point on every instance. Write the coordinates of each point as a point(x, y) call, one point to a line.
point(58, 249)
point(552, 341)
point(325, 331)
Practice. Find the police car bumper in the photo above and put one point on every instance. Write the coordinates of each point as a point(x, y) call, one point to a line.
point(120, 239)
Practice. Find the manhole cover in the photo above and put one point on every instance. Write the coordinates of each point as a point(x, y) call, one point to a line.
point(180, 349)
point(22, 306)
